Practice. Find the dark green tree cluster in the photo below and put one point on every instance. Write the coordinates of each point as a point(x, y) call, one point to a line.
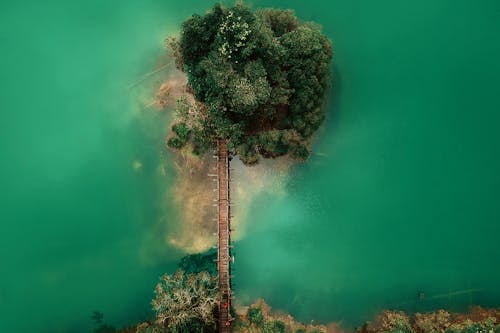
point(181, 136)
point(261, 78)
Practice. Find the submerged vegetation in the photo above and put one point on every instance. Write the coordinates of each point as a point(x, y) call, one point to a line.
point(259, 80)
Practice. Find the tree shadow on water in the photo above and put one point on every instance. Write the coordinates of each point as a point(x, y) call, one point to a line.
point(101, 326)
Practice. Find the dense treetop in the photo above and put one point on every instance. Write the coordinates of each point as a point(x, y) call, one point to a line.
point(186, 302)
point(259, 80)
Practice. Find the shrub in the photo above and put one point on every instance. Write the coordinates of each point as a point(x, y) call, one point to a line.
point(186, 302)
point(255, 316)
point(175, 142)
point(182, 131)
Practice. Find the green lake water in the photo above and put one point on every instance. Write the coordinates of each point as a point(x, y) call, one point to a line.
point(401, 196)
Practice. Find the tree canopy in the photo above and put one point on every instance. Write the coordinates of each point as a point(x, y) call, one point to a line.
point(259, 79)
point(185, 302)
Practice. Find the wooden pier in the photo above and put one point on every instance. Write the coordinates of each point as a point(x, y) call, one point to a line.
point(223, 232)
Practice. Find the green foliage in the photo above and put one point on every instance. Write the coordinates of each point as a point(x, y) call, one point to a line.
point(274, 327)
point(280, 21)
point(473, 327)
point(255, 316)
point(175, 142)
point(434, 322)
point(299, 151)
point(247, 150)
point(174, 45)
point(274, 143)
point(182, 131)
point(261, 77)
point(402, 328)
point(477, 321)
point(182, 134)
point(198, 35)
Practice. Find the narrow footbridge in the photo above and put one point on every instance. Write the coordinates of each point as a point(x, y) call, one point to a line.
point(224, 235)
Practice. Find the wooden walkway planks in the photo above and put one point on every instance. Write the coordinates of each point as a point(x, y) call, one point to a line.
point(223, 257)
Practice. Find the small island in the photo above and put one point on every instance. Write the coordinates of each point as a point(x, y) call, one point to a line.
point(258, 80)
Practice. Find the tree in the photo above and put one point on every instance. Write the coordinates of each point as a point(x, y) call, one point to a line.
point(175, 142)
point(182, 131)
point(186, 302)
point(259, 80)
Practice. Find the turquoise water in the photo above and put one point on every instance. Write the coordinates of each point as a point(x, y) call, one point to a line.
point(79, 227)
point(401, 196)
